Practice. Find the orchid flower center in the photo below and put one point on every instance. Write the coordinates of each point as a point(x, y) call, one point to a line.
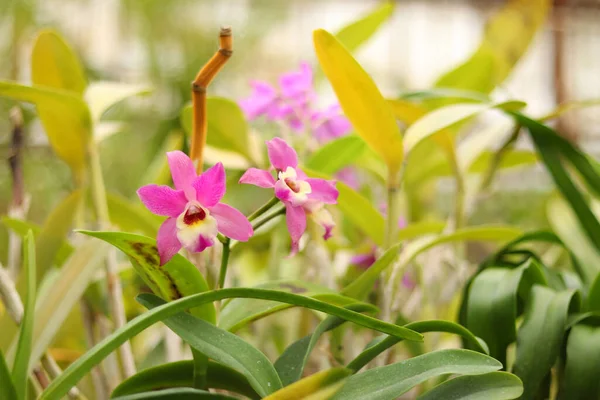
point(193, 215)
point(196, 224)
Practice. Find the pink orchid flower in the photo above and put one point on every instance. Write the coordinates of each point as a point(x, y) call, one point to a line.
point(195, 214)
point(301, 195)
point(330, 124)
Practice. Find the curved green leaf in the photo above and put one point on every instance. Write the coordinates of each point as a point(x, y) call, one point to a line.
point(7, 387)
point(20, 371)
point(358, 32)
point(181, 374)
point(507, 36)
point(544, 321)
point(492, 386)
point(383, 343)
point(391, 381)
point(593, 303)
point(422, 96)
point(176, 279)
point(86, 362)
point(336, 154)
point(129, 217)
point(362, 286)
point(580, 380)
point(320, 386)
point(177, 394)
point(100, 96)
point(221, 346)
point(360, 99)
point(568, 106)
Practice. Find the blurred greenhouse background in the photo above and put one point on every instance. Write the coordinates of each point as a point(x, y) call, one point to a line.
point(162, 44)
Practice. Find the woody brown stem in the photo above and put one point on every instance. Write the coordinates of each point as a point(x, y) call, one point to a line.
point(201, 82)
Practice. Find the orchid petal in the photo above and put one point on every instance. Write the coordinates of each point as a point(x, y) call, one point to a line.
point(297, 83)
point(166, 241)
point(258, 177)
point(296, 224)
point(282, 191)
point(203, 243)
point(162, 200)
point(231, 222)
point(281, 154)
point(262, 100)
point(323, 190)
point(210, 186)
point(183, 172)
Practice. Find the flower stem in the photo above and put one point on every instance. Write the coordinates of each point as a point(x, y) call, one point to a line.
point(263, 209)
point(269, 217)
point(224, 263)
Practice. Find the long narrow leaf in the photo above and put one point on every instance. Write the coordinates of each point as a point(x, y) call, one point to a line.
point(492, 386)
point(7, 387)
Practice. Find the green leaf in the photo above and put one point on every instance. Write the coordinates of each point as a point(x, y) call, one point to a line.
point(507, 36)
point(491, 304)
point(336, 154)
point(448, 116)
point(20, 371)
point(130, 217)
point(70, 376)
point(358, 32)
point(54, 64)
point(177, 278)
point(319, 386)
point(391, 381)
point(181, 374)
point(100, 96)
point(227, 127)
point(362, 286)
point(382, 343)
point(7, 387)
point(65, 118)
point(290, 365)
point(177, 394)
point(21, 228)
point(360, 100)
point(421, 228)
point(433, 94)
point(545, 320)
point(568, 106)
point(594, 295)
point(238, 312)
point(221, 346)
point(492, 386)
point(580, 380)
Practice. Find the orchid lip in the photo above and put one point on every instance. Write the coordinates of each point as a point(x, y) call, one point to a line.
point(193, 215)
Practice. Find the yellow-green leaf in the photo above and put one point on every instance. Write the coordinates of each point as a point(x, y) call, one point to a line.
point(54, 64)
point(320, 386)
point(356, 33)
point(507, 37)
point(100, 96)
point(360, 99)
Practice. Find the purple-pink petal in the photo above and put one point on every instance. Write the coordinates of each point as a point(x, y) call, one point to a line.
point(364, 260)
point(258, 177)
point(281, 154)
point(162, 200)
point(296, 223)
point(260, 102)
point(282, 191)
point(167, 242)
point(203, 243)
point(210, 186)
point(183, 172)
point(322, 190)
point(231, 222)
point(298, 83)
point(349, 177)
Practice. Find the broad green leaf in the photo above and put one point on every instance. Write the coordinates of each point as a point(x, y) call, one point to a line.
point(564, 222)
point(336, 154)
point(177, 278)
point(491, 304)
point(7, 387)
point(580, 379)
point(382, 343)
point(369, 220)
point(65, 118)
point(492, 386)
point(20, 372)
point(594, 295)
point(360, 99)
point(421, 228)
point(358, 32)
point(55, 64)
point(320, 386)
point(79, 368)
point(391, 381)
point(448, 116)
point(21, 228)
point(181, 374)
point(363, 285)
point(290, 365)
point(221, 346)
point(100, 96)
point(177, 394)
point(571, 105)
point(227, 128)
point(507, 36)
point(54, 232)
point(544, 321)
point(131, 217)
point(239, 312)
